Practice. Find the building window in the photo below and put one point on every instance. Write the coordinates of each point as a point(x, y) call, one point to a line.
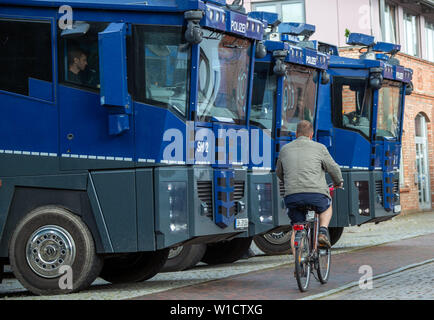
point(25, 56)
point(429, 32)
point(288, 11)
point(389, 23)
point(411, 45)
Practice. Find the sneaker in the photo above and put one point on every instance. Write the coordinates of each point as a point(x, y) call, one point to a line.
point(323, 237)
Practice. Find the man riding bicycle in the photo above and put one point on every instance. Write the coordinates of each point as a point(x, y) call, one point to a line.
point(301, 166)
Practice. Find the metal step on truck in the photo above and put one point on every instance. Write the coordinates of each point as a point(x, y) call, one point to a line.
point(109, 113)
point(359, 119)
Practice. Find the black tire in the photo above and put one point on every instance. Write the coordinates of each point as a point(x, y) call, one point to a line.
point(226, 251)
point(46, 240)
point(335, 234)
point(186, 258)
point(133, 267)
point(324, 262)
point(302, 268)
point(274, 243)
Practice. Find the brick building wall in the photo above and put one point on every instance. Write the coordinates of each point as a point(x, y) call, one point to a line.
point(420, 102)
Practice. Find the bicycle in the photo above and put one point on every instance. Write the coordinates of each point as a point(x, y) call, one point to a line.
point(308, 255)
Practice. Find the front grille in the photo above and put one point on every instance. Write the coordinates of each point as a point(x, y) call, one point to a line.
point(379, 190)
point(204, 192)
point(396, 186)
point(238, 190)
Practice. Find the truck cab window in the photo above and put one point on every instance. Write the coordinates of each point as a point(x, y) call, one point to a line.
point(25, 56)
point(78, 55)
point(263, 95)
point(161, 67)
point(389, 109)
point(352, 104)
point(299, 92)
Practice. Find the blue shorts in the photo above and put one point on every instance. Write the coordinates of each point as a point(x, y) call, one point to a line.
point(319, 202)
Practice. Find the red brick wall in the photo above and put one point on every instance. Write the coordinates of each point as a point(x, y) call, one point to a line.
point(421, 101)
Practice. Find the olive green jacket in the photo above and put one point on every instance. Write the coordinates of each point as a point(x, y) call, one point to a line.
point(302, 165)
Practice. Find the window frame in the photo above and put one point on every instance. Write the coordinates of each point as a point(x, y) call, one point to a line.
point(429, 25)
point(278, 5)
point(393, 14)
point(52, 23)
point(417, 35)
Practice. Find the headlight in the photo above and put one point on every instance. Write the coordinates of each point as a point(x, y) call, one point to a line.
point(177, 200)
point(265, 204)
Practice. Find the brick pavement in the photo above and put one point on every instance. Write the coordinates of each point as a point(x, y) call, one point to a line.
point(279, 283)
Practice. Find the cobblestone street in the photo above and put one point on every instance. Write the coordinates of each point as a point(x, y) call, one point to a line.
point(412, 284)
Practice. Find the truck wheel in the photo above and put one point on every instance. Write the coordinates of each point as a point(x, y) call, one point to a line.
point(133, 267)
point(48, 244)
point(226, 251)
point(274, 243)
point(184, 257)
point(335, 234)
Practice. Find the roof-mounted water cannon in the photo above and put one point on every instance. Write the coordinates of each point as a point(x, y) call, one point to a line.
point(385, 48)
point(237, 5)
point(363, 40)
point(271, 21)
point(291, 31)
point(194, 33)
point(326, 48)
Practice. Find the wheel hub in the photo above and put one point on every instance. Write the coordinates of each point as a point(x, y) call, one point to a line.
point(49, 248)
point(174, 252)
point(278, 237)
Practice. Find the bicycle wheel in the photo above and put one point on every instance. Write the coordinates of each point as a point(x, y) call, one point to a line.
point(323, 266)
point(302, 264)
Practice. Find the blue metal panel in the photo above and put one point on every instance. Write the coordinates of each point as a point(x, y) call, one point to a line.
point(40, 89)
point(160, 135)
point(27, 125)
point(350, 149)
point(113, 66)
point(84, 131)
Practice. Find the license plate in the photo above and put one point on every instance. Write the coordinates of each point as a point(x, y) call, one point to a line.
point(397, 208)
point(310, 215)
point(241, 223)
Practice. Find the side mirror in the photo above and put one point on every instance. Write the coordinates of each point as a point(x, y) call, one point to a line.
point(325, 77)
point(261, 50)
point(194, 33)
point(409, 88)
point(376, 78)
point(280, 67)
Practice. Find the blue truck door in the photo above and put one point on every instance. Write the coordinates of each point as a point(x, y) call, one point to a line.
point(95, 109)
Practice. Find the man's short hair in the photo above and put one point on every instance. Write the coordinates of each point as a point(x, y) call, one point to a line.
point(75, 53)
point(304, 128)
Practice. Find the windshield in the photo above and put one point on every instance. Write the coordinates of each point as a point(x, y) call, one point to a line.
point(299, 96)
point(352, 104)
point(162, 61)
point(263, 95)
point(223, 77)
point(389, 102)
